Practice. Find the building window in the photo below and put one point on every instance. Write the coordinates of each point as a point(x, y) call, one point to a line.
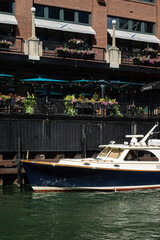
point(131, 25)
point(123, 23)
point(83, 17)
point(149, 1)
point(54, 13)
point(6, 6)
point(136, 26)
point(39, 10)
point(109, 21)
point(68, 15)
point(148, 27)
point(61, 14)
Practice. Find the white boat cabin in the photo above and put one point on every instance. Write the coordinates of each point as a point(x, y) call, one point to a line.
point(124, 153)
point(134, 151)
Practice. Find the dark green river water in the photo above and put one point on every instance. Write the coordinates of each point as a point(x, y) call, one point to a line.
point(25, 215)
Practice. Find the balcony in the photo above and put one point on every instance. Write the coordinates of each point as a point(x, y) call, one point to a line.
point(51, 49)
point(139, 59)
point(11, 45)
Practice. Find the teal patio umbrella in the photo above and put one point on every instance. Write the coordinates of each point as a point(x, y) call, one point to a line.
point(120, 84)
point(43, 81)
point(46, 82)
point(4, 77)
point(86, 82)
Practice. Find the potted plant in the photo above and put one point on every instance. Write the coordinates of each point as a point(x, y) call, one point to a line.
point(69, 105)
point(74, 42)
point(29, 103)
point(5, 98)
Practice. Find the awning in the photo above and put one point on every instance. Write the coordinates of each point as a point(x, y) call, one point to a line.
point(151, 86)
point(8, 19)
point(134, 36)
point(62, 26)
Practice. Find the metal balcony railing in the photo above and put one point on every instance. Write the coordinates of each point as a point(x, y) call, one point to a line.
point(62, 107)
point(49, 49)
point(17, 44)
point(127, 59)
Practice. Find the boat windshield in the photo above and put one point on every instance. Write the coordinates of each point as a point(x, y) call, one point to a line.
point(115, 153)
point(111, 152)
point(104, 152)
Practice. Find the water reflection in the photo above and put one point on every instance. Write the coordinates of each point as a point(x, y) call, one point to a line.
point(80, 215)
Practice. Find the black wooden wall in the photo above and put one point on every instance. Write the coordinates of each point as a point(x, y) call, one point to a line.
point(59, 135)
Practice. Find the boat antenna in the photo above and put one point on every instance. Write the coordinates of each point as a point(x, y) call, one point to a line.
point(143, 141)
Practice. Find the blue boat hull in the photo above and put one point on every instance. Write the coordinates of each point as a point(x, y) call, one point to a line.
point(69, 178)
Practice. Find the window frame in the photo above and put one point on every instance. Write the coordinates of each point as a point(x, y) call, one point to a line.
point(12, 6)
point(148, 1)
point(61, 18)
point(130, 22)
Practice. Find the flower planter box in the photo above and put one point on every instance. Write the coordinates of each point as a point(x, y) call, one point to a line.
point(89, 56)
point(61, 53)
point(143, 63)
point(83, 105)
point(146, 63)
point(136, 62)
point(156, 64)
point(4, 46)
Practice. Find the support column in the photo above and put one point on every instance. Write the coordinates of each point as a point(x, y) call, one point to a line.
point(33, 10)
point(33, 46)
point(113, 54)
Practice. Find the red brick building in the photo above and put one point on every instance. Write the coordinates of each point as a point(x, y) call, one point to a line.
point(137, 28)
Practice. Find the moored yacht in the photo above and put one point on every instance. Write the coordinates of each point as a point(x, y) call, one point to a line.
point(128, 166)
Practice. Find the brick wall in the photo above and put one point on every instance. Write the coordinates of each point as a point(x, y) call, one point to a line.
point(84, 5)
point(99, 23)
point(24, 18)
point(133, 9)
